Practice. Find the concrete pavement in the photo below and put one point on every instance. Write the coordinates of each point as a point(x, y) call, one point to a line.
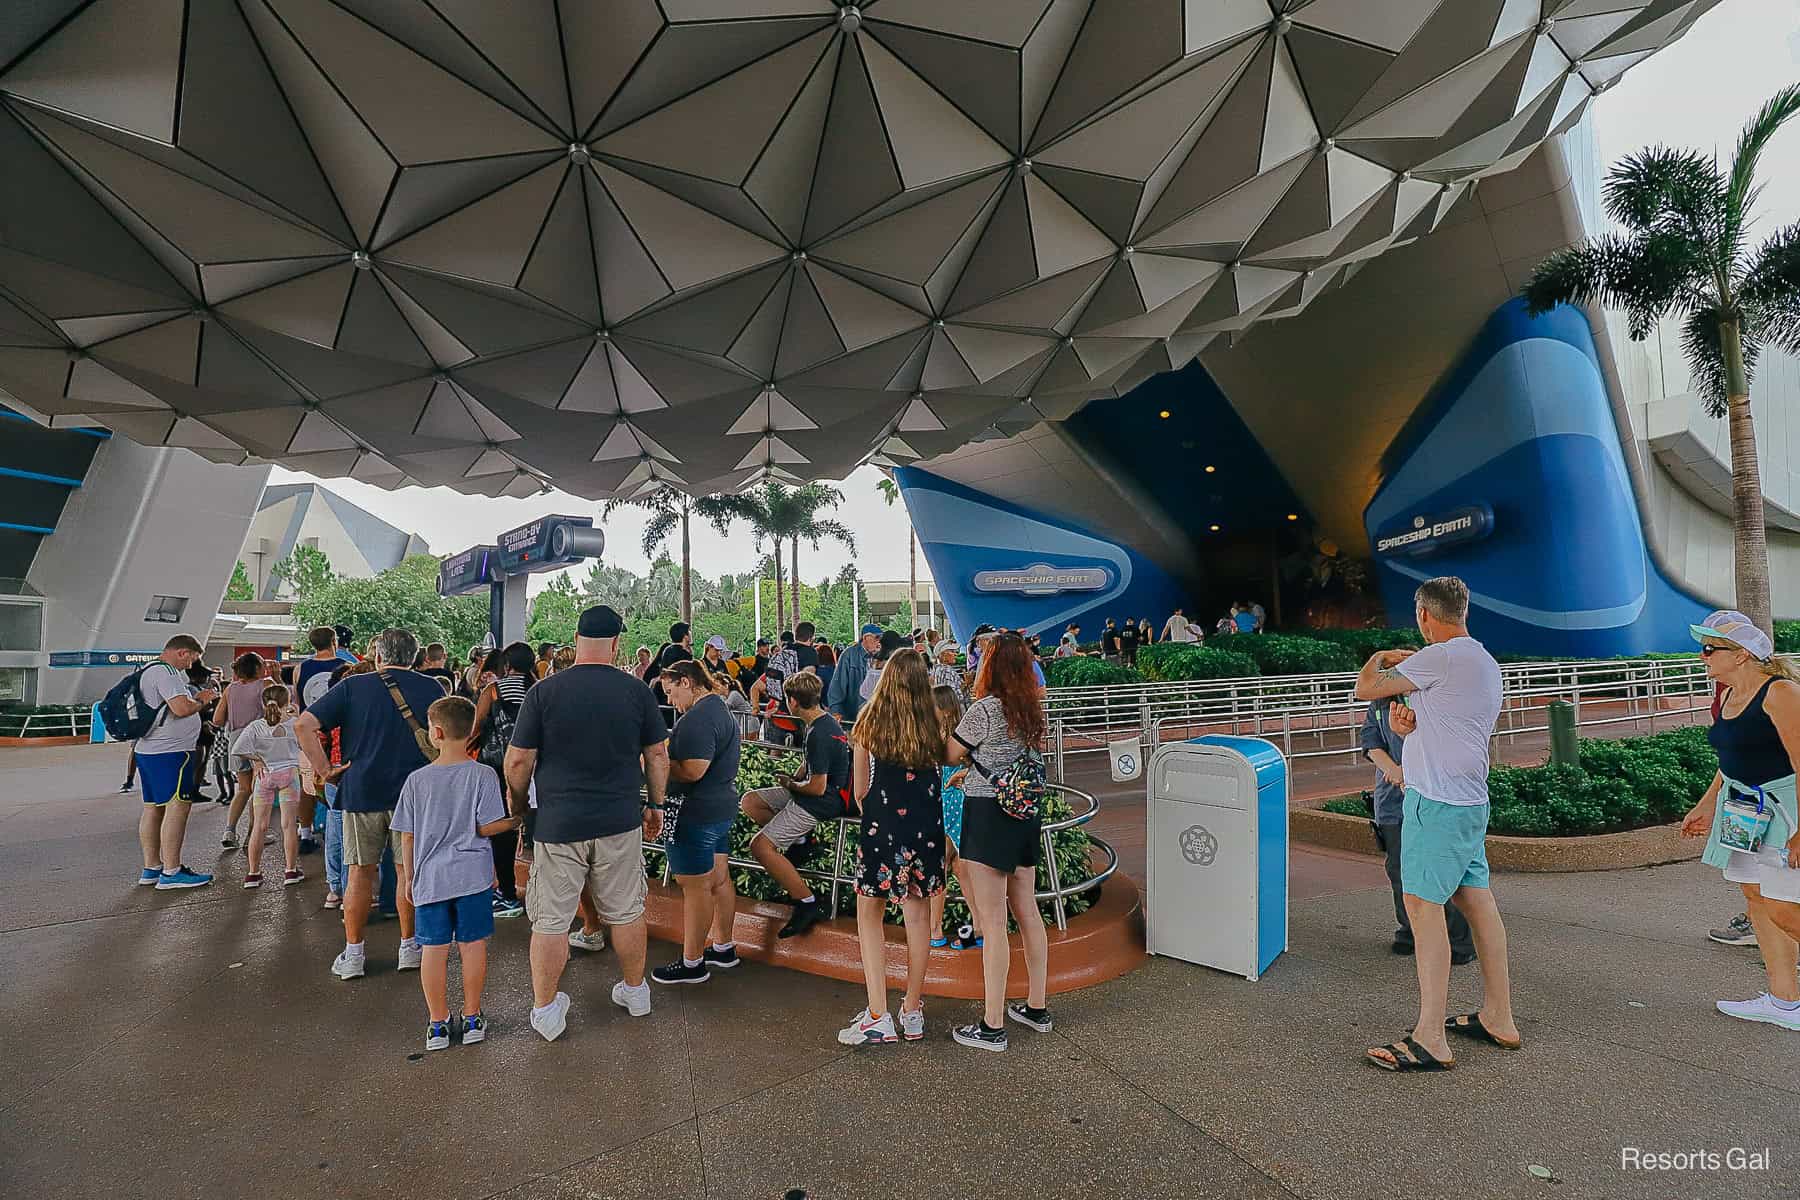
point(193, 1044)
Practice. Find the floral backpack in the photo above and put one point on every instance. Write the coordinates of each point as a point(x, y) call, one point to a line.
point(1020, 786)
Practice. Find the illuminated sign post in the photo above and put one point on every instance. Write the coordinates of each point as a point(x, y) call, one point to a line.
point(1426, 534)
point(1041, 579)
point(546, 544)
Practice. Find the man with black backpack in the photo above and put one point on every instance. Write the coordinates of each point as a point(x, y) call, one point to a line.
point(158, 708)
point(381, 718)
point(789, 812)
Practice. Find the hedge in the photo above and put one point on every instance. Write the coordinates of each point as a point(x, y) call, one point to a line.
point(1620, 785)
point(1363, 643)
point(1787, 637)
point(1087, 672)
point(763, 768)
point(1168, 662)
point(1285, 654)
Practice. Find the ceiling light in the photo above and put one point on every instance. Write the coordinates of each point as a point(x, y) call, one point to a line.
point(1164, 414)
point(1293, 516)
point(1210, 468)
point(1214, 528)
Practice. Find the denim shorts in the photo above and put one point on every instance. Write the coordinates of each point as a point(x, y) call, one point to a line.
point(696, 844)
point(466, 919)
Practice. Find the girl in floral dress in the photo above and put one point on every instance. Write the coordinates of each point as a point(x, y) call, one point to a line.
point(898, 748)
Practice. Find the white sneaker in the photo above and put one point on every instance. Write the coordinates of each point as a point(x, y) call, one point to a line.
point(1762, 1009)
point(411, 955)
point(912, 1024)
point(551, 1023)
point(349, 966)
point(588, 941)
point(634, 1000)
point(864, 1031)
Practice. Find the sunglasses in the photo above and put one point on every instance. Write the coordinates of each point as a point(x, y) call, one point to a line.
point(1708, 651)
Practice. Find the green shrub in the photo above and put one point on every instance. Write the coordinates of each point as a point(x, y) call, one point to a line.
point(1623, 784)
point(1284, 654)
point(1787, 637)
point(1087, 672)
point(1351, 806)
point(762, 768)
point(1169, 662)
point(1363, 643)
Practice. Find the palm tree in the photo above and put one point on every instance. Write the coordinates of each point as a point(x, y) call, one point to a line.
point(890, 491)
point(804, 505)
point(669, 508)
point(764, 509)
point(1683, 255)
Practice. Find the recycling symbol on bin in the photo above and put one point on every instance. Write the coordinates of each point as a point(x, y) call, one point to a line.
point(1199, 846)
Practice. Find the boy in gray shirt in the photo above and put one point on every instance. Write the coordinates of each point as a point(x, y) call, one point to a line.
point(446, 814)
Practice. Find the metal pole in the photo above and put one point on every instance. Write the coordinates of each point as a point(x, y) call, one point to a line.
point(855, 613)
point(759, 611)
point(1056, 897)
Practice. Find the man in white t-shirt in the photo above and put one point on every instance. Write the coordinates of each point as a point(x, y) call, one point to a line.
point(1451, 699)
point(1178, 629)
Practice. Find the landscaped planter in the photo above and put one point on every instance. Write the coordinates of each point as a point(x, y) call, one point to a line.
point(6, 742)
point(1102, 943)
point(1596, 852)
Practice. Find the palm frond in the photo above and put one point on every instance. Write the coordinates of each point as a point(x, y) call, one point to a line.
point(837, 531)
point(663, 522)
point(1770, 292)
point(1661, 189)
point(1645, 275)
point(1705, 354)
point(1740, 192)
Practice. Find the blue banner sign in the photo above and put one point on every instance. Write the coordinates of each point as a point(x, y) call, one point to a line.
point(1430, 533)
point(1041, 579)
point(103, 658)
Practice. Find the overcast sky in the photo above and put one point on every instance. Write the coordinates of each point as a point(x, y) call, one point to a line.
point(1697, 93)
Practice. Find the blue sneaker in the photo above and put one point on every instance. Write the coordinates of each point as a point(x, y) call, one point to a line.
point(437, 1035)
point(181, 878)
point(506, 908)
point(475, 1029)
point(150, 876)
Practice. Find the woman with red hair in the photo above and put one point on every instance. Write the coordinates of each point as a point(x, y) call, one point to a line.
point(1000, 851)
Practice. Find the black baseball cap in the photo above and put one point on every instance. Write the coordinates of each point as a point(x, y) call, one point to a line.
point(892, 640)
point(600, 621)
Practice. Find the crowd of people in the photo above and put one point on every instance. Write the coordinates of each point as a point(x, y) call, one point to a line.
point(1118, 643)
point(432, 789)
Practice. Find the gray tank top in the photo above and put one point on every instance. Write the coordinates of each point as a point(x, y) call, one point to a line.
point(243, 703)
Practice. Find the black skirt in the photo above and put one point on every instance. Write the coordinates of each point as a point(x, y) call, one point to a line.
point(992, 838)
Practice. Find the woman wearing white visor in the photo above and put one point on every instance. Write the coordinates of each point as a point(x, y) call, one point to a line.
point(1749, 815)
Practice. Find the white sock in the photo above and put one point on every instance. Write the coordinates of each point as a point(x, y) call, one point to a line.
point(642, 987)
point(410, 941)
point(538, 1012)
point(724, 947)
point(353, 949)
point(690, 962)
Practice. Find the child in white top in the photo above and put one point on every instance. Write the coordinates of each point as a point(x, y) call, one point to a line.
point(268, 742)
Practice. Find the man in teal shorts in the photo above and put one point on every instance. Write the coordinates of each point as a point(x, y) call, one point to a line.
point(1451, 699)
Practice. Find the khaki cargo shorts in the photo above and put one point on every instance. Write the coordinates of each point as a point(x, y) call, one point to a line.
point(366, 834)
point(612, 868)
point(790, 824)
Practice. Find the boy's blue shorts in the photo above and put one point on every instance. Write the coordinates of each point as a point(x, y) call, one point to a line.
point(464, 919)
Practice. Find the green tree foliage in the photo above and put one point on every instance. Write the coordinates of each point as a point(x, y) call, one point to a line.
point(404, 595)
point(240, 588)
point(554, 612)
point(304, 572)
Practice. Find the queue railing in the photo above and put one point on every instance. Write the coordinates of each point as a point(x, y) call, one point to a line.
point(1312, 716)
point(76, 723)
point(834, 878)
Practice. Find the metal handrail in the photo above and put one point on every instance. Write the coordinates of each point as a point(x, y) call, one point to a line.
point(71, 724)
point(1322, 709)
point(1057, 894)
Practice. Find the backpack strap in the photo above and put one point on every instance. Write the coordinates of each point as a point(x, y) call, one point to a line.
point(421, 735)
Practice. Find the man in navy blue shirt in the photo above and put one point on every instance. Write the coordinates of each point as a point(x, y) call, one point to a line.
point(1382, 745)
point(376, 715)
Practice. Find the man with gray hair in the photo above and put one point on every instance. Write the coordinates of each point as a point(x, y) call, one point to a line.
point(1448, 698)
point(381, 718)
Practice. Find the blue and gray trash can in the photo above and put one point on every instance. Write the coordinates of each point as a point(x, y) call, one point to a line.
point(1217, 836)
